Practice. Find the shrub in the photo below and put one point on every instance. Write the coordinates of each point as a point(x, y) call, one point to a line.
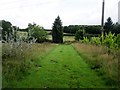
point(85, 40)
point(95, 40)
point(79, 35)
point(110, 40)
point(38, 33)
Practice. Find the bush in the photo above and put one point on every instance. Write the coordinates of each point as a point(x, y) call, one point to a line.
point(79, 35)
point(110, 40)
point(95, 40)
point(38, 33)
point(85, 40)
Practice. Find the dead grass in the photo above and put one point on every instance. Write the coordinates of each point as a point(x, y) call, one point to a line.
point(106, 64)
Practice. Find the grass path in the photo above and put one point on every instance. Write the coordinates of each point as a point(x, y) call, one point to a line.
point(62, 68)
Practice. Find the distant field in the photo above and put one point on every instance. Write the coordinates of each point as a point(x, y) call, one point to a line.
point(22, 34)
point(65, 38)
point(68, 38)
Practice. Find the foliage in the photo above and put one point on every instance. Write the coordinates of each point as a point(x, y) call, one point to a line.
point(108, 26)
point(22, 36)
point(71, 29)
point(57, 31)
point(116, 29)
point(110, 40)
point(92, 29)
point(9, 32)
point(24, 30)
point(85, 40)
point(95, 40)
point(89, 29)
point(37, 33)
point(6, 29)
point(79, 35)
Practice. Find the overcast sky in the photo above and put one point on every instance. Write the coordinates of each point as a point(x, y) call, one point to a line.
point(44, 12)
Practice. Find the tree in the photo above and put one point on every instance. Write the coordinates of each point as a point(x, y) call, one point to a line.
point(6, 30)
point(37, 33)
point(93, 29)
point(57, 31)
point(71, 29)
point(79, 35)
point(116, 29)
point(108, 25)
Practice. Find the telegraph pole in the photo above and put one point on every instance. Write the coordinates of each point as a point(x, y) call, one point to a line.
point(102, 21)
point(119, 12)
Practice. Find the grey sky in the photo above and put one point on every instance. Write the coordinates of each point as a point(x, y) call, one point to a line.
point(43, 12)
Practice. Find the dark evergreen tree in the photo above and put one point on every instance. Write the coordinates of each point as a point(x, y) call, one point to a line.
point(108, 26)
point(57, 31)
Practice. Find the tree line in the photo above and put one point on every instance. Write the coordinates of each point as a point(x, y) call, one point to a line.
point(39, 34)
point(94, 29)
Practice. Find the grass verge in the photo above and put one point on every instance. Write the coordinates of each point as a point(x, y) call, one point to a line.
point(106, 65)
point(19, 60)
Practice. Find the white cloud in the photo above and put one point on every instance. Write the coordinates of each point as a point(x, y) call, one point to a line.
point(43, 12)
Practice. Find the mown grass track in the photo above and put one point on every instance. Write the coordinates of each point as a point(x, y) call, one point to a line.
point(62, 68)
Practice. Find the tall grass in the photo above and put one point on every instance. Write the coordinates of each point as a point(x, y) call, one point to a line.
point(101, 61)
point(20, 59)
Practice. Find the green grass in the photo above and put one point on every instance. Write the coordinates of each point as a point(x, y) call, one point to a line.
point(62, 67)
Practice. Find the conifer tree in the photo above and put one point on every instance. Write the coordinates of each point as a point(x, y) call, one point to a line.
point(57, 31)
point(108, 26)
